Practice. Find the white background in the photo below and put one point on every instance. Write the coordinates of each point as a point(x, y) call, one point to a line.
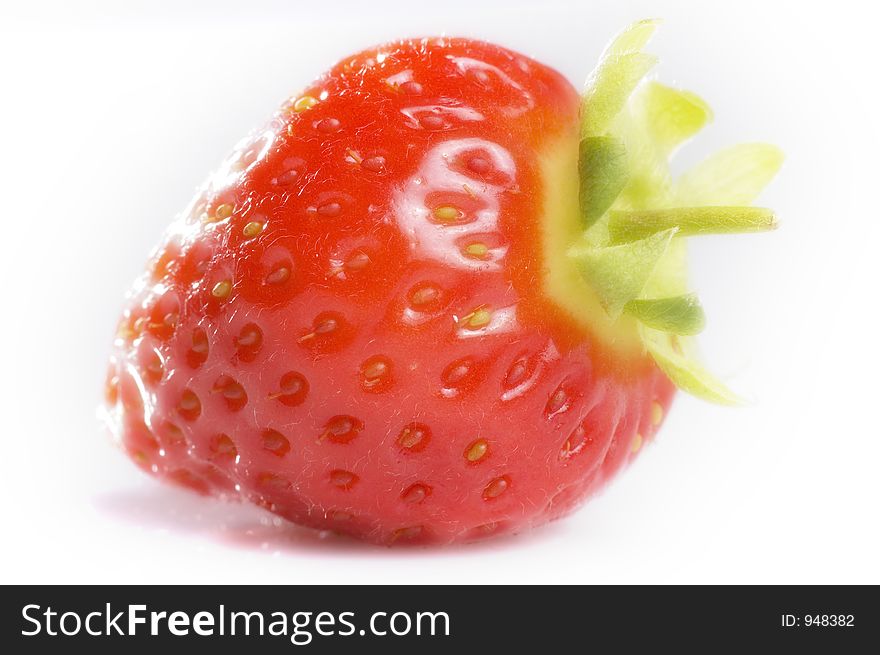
point(109, 118)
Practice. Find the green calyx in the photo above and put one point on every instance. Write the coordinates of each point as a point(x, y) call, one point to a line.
point(636, 216)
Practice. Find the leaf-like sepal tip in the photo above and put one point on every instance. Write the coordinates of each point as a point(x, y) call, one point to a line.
point(604, 171)
point(677, 315)
point(618, 274)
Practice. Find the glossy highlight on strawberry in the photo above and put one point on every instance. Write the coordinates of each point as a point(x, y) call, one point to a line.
point(376, 317)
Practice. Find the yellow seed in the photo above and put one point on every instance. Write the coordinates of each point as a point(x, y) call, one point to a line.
point(375, 369)
point(189, 401)
point(447, 213)
point(224, 211)
point(424, 296)
point(358, 261)
point(406, 533)
point(221, 289)
point(306, 102)
point(476, 250)
point(478, 318)
point(636, 444)
point(477, 450)
point(495, 488)
point(278, 276)
point(656, 413)
point(252, 229)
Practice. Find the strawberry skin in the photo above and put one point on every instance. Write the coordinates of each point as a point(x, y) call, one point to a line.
point(352, 324)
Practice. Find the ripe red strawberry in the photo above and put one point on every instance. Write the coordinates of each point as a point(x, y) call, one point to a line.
point(439, 297)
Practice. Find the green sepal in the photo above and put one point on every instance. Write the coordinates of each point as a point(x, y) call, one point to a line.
point(618, 274)
point(626, 226)
point(734, 176)
point(632, 39)
point(622, 67)
point(632, 207)
point(672, 116)
point(678, 315)
point(604, 171)
point(670, 352)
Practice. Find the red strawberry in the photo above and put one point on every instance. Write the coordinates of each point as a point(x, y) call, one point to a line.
point(438, 297)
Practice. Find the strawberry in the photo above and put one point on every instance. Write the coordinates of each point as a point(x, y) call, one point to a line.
point(439, 297)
